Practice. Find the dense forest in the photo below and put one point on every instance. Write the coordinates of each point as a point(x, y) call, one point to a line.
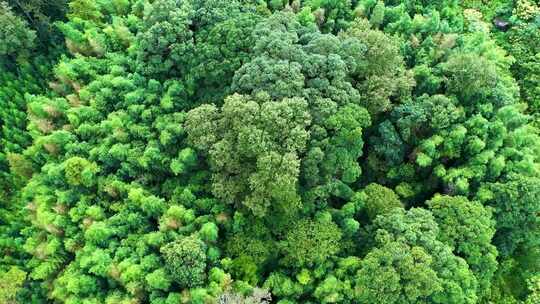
point(252, 151)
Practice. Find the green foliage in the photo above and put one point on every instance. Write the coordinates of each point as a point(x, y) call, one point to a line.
point(79, 171)
point(534, 289)
point(258, 154)
point(185, 260)
point(15, 36)
point(328, 151)
point(331, 15)
point(41, 15)
point(165, 40)
point(468, 228)
point(309, 243)
point(468, 75)
point(378, 200)
point(522, 41)
point(406, 246)
point(10, 284)
point(515, 203)
point(405, 273)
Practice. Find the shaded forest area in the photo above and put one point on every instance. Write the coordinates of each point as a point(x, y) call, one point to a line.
point(251, 151)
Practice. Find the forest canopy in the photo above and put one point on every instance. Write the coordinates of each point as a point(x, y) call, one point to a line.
point(269, 151)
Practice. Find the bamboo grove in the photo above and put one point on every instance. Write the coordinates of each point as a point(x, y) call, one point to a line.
point(251, 151)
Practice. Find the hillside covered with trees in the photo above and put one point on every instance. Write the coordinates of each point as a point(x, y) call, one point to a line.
point(252, 151)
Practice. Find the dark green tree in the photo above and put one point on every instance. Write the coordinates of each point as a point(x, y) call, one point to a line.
point(185, 260)
point(468, 228)
point(416, 265)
